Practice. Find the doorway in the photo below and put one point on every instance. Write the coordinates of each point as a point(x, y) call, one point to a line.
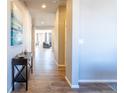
point(43, 38)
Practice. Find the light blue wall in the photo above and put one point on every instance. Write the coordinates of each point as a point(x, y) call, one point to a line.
point(97, 40)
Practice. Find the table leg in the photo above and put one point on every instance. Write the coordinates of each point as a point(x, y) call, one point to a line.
point(31, 64)
point(13, 77)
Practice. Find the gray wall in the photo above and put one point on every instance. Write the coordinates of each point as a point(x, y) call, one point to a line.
point(68, 40)
point(58, 36)
point(97, 40)
point(61, 35)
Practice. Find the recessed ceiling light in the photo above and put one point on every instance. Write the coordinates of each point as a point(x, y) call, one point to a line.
point(43, 6)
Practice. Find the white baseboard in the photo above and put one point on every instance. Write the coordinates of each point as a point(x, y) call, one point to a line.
point(61, 65)
point(68, 81)
point(10, 90)
point(72, 86)
point(75, 86)
point(97, 81)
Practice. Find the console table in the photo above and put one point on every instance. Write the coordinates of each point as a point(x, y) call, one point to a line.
point(22, 64)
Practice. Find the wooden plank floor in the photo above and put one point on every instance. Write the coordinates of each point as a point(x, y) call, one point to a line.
point(47, 78)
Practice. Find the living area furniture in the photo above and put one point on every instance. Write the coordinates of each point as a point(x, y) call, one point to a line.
point(46, 45)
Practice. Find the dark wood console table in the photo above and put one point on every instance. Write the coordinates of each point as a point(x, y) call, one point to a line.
point(22, 64)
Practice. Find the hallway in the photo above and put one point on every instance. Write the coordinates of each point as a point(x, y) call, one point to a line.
point(47, 78)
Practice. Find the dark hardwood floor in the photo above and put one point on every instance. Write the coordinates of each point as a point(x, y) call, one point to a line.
point(48, 78)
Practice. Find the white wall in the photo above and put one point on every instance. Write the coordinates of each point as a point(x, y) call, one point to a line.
point(25, 17)
point(3, 46)
point(71, 42)
point(97, 40)
point(28, 30)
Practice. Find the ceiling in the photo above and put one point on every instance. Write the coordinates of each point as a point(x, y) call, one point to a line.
point(43, 18)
